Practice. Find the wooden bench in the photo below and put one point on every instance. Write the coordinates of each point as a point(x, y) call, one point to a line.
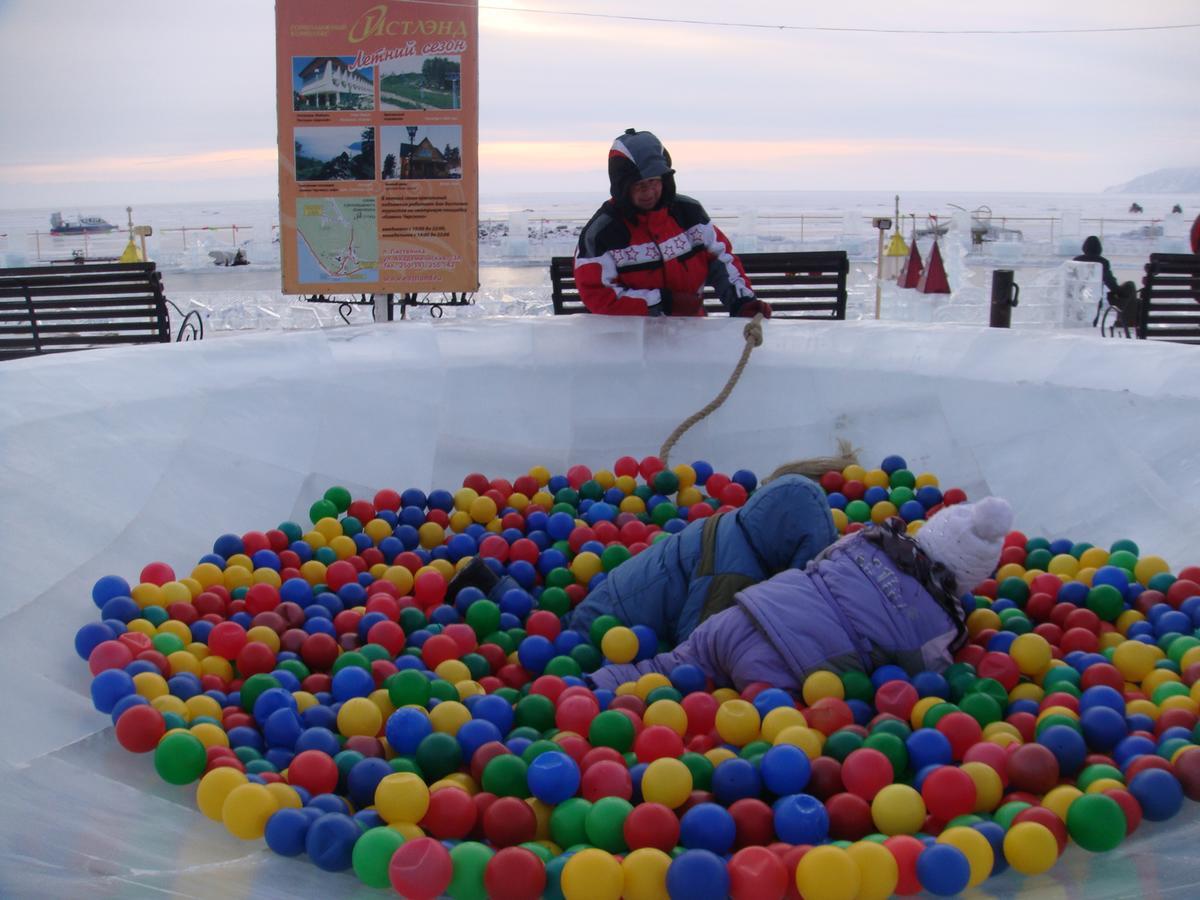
point(51, 309)
point(1170, 299)
point(797, 285)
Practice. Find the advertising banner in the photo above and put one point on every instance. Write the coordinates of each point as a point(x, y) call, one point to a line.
point(378, 108)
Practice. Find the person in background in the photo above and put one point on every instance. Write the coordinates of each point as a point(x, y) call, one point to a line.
point(875, 597)
point(649, 251)
point(1093, 252)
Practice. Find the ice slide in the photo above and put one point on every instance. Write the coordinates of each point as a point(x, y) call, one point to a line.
point(114, 458)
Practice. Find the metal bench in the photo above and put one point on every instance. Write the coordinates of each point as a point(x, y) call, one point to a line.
point(797, 285)
point(50, 309)
point(1170, 299)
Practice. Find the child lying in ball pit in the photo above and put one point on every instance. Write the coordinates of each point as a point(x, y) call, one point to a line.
point(873, 597)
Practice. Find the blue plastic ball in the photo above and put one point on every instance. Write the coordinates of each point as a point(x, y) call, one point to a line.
point(553, 777)
point(1103, 727)
point(107, 588)
point(1067, 745)
point(330, 841)
point(688, 679)
point(90, 636)
point(707, 826)
point(943, 870)
point(698, 875)
point(928, 747)
point(785, 769)
point(735, 779)
point(1158, 792)
point(801, 819)
point(288, 828)
point(109, 687)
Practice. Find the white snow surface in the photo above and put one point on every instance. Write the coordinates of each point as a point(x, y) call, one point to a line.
point(115, 458)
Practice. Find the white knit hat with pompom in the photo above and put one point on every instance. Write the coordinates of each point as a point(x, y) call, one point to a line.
point(967, 538)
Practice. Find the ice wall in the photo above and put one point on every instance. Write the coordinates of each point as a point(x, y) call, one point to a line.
point(113, 458)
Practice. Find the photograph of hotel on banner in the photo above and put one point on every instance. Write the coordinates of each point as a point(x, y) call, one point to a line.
point(418, 152)
point(329, 83)
point(420, 82)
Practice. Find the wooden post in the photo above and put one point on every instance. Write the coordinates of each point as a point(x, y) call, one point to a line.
point(879, 273)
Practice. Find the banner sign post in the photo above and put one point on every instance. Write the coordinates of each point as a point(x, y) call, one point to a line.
point(378, 108)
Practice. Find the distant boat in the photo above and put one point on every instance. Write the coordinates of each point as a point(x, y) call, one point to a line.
point(82, 225)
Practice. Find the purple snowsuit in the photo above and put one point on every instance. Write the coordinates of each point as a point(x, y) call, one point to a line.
point(852, 608)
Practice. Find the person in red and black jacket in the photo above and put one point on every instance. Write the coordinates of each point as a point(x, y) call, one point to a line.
point(649, 251)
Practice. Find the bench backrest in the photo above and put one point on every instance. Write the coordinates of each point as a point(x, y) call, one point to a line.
point(1170, 298)
point(810, 285)
point(49, 310)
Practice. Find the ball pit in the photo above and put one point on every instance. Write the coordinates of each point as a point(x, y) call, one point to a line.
point(324, 697)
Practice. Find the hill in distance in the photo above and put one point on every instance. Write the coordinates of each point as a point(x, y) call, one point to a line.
point(1185, 180)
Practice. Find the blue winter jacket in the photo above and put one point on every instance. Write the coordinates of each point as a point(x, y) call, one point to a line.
point(853, 609)
point(668, 587)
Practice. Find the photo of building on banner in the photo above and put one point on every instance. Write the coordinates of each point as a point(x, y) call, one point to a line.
point(378, 146)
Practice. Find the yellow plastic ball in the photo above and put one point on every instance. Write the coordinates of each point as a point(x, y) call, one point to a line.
point(632, 504)
point(182, 661)
point(359, 716)
point(214, 787)
point(718, 755)
point(313, 571)
point(1135, 660)
point(1030, 848)
point(877, 869)
point(482, 510)
point(882, 511)
point(431, 535)
point(619, 644)
point(452, 670)
point(723, 695)
point(237, 576)
point(1063, 564)
point(604, 477)
point(263, 635)
point(518, 501)
point(1149, 566)
point(898, 809)
point(1010, 570)
point(626, 484)
point(645, 874)
point(854, 472)
point(1058, 800)
point(203, 705)
point(210, 734)
point(975, 847)
point(667, 781)
point(927, 479)
point(1093, 558)
point(402, 797)
point(1031, 652)
point(648, 682)
point(207, 574)
point(668, 713)
point(449, 716)
point(401, 577)
point(989, 789)
point(778, 719)
point(150, 685)
point(343, 545)
point(585, 566)
point(982, 619)
point(540, 474)
point(807, 739)
point(820, 685)
point(216, 665)
point(592, 875)
point(246, 810)
point(738, 722)
point(285, 795)
point(143, 626)
point(464, 497)
point(168, 703)
point(876, 478)
point(314, 539)
point(922, 706)
point(828, 873)
point(840, 520)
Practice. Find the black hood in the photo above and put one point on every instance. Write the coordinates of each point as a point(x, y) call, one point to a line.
point(637, 155)
point(1092, 245)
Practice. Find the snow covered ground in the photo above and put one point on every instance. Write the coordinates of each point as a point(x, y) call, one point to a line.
point(114, 458)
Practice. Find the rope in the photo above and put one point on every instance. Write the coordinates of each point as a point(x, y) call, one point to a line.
point(754, 338)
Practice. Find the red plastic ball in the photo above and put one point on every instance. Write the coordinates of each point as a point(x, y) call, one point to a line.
point(849, 817)
point(451, 814)
point(606, 779)
point(657, 742)
point(226, 640)
point(109, 655)
point(319, 651)
point(948, 792)
point(140, 728)
point(961, 730)
point(1129, 806)
point(509, 821)
point(421, 869)
point(514, 874)
point(544, 623)
point(389, 635)
point(896, 698)
point(829, 714)
point(755, 873)
point(438, 649)
point(826, 778)
point(315, 771)
point(866, 771)
point(754, 822)
point(1032, 768)
point(906, 849)
point(157, 573)
point(575, 713)
point(255, 659)
point(651, 825)
point(701, 712)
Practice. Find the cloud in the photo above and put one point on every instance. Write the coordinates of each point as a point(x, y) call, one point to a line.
point(244, 161)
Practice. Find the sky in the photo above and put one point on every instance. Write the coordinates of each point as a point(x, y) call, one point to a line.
point(116, 101)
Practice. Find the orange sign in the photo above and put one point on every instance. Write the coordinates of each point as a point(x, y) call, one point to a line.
point(378, 106)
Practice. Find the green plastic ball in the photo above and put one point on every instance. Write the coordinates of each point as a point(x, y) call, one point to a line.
point(1096, 822)
point(180, 758)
